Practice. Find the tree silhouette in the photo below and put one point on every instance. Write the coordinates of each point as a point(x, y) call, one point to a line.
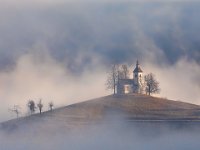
point(112, 78)
point(123, 72)
point(31, 106)
point(152, 85)
point(40, 106)
point(51, 104)
point(16, 110)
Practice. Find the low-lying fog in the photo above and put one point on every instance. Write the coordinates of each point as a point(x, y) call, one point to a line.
point(116, 135)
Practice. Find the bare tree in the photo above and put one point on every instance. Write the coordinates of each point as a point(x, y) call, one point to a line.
point(152, 85)
point(31, 106)
point(51, 104)
point(40, 105)
point(112, 78)
point(16, 110)
point(123, 72)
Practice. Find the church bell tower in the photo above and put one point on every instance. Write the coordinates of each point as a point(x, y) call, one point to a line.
point(138, 78)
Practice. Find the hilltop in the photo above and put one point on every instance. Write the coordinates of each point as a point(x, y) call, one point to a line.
point(127, 107)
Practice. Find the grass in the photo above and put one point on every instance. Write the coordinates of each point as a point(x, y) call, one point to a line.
point(128, 107)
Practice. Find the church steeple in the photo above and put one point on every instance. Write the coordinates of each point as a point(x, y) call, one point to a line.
point(137, 73)
point(137, 68)
point(137, 63)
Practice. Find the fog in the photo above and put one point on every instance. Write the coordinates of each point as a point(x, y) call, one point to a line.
point(37, 78)
point(114, 135)
point(61, 50)
point(179, 81)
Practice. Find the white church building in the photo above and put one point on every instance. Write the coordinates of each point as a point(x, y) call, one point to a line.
point(134, 85)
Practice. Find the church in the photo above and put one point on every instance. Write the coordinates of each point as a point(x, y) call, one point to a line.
point(134, 85)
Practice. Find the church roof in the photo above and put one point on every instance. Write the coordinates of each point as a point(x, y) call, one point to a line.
point(125, 81)
point(137, 68)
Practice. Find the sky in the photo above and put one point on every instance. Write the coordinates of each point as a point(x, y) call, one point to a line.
point(61, 50)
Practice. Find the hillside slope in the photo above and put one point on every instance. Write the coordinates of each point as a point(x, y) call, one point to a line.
point(127, 107)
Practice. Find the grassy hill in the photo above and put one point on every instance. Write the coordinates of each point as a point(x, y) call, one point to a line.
point(132, 107)
point(113, 107)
